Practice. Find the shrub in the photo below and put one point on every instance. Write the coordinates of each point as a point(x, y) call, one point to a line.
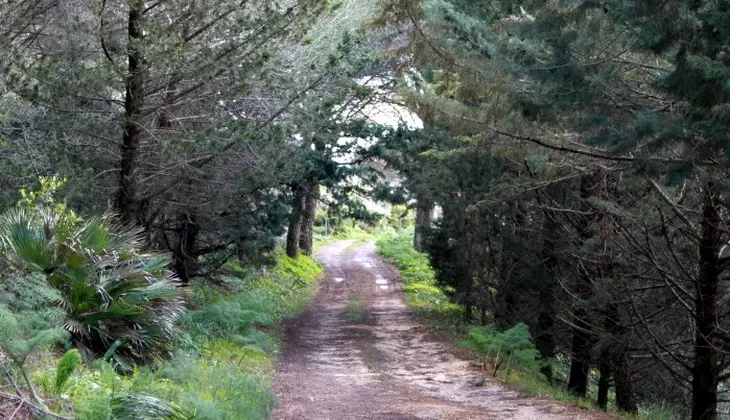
point(513, 346)
point(237, 319)
point(108, 289)
point(217, 391)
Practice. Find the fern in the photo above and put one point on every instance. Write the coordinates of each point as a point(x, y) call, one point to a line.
point(237, 318)
point(513, 346)
point(20, 339)
point(65, 368)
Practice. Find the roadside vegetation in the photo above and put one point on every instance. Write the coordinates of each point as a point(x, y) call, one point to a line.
point(509, 354)
point(93, 328)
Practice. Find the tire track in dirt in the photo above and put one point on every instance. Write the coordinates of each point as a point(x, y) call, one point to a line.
point(369, 360)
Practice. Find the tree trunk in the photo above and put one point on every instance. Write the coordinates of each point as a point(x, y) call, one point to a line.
point(306, 231)
point(623, 383)
point(184, 254)
point(127, 200)
point(544, 333)
point(424, 220)
point(705, 370)
point(582, 338)
point(615, 361)
point(580, 356)
point(504, 308)
point(295, 223)
point(604, 381)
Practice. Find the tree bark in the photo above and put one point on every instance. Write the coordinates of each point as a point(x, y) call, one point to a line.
point(184, 255)
point(623, 383)
point(306, 231)
point(604, 381)
point(615, 362)
point(295, 223)
point(582, 338)
point(424, 220)
point(580, 355)
point(545, 335)
point(127, 199)
point(705, 370)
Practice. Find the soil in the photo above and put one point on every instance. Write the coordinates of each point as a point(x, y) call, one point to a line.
point(357, 353)
point(13, 408)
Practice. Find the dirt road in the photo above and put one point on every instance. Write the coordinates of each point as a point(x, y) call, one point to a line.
point(357, 354)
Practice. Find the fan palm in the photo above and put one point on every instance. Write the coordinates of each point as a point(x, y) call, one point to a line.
point(110, 290)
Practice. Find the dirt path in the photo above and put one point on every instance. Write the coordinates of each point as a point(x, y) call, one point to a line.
point(357, 354)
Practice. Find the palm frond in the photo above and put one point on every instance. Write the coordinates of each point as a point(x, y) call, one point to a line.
point(109, 289)
point(143, 406)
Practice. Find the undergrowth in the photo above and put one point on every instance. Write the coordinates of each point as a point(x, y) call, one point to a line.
point(419, 280)
point(221, 368)
point(509, 355)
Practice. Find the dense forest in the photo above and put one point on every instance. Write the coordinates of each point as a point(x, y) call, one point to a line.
point(165, 166)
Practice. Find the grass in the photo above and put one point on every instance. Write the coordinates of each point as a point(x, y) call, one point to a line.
point(355, 310)
point(422, 293)
point(223, 363)
point(426, 298)
point(347, 230)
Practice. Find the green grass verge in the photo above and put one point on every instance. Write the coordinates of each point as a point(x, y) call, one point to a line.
point(422, 293)
point(224, 361)
point(426, 298)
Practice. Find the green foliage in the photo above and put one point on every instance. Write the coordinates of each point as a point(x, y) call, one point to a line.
point(351, 229)
point(108, 289)
point(354, 310)
point(414, 266)
point(236, 318)
point(222, 371)
point(65, 368)
point(400, 217)
point(422, 292)
point(26, 292)
point(512, 347)
point(25, 333)
point(217, 390)
point(300, 271)
point(142, 406)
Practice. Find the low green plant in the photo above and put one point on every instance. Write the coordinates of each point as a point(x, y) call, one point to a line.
point(24, 334)
point(217, 390)
point(299, 271)
point(223, 371)
point(236, 320)
point(65, 368)
point(108, 289)
point(662, 412)
point(354, 310)
point(422, 292)
point(143, 406)
point(513, 347)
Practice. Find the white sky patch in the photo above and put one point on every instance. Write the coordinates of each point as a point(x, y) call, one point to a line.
point(387, 111)
point(383, 110)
